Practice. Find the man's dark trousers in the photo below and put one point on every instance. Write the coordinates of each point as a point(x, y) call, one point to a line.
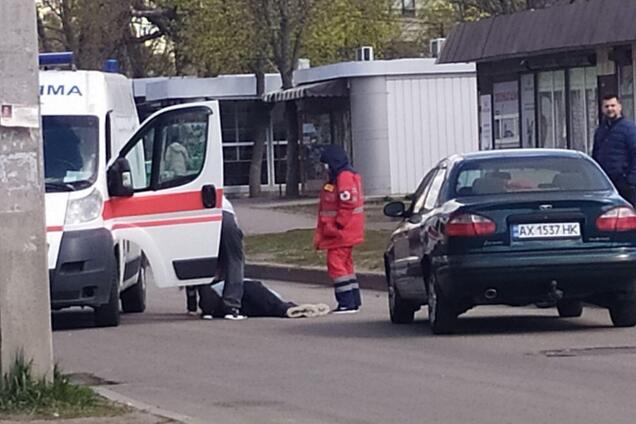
point(231, 261)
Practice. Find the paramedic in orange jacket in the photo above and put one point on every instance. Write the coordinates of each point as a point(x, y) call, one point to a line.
point(340, 226)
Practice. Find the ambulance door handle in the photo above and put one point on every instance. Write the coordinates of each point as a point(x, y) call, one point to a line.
point(208, 195)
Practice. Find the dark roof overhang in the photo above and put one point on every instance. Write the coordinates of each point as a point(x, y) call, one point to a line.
point(580, 25)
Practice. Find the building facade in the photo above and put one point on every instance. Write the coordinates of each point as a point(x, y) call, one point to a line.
point(541, 74)
point(395, 118)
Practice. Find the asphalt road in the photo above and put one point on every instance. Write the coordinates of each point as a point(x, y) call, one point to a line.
point(505, 365)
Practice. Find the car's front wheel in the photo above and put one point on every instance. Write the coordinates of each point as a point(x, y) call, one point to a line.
point(442, 314)
point(400, 310)
point(623, 312)
point(107, 315)
point(569, 308)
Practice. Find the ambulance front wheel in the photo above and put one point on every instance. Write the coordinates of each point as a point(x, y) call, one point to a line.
point(133, 299)
point(108, 315)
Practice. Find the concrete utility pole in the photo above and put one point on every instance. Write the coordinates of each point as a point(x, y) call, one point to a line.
point(25, 309)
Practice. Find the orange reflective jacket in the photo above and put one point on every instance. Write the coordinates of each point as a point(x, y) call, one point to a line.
point(340, 213)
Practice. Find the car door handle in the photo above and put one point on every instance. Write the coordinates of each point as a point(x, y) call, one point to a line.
point(208, 195)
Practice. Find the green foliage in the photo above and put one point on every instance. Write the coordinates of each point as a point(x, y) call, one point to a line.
point(221, 36)
point(338, 27)
point(214, 36)
point(22, 394)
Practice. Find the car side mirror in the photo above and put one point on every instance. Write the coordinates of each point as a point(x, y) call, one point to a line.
point(395, 209)
point(119, 178)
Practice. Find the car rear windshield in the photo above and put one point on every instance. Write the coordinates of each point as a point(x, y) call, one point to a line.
point(531, 174)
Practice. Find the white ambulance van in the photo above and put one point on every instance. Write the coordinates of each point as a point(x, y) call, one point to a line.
point(154, 211)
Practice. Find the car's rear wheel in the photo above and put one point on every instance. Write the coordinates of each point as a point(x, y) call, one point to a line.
point(401, 311)
point(442, 314)
point(133, 299)
point(569, 308)
point(623, 312)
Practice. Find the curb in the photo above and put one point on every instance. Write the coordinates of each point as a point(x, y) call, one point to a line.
point(309, 275)
point(144, 407)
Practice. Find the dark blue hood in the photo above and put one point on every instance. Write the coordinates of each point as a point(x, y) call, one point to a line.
point(335, 156)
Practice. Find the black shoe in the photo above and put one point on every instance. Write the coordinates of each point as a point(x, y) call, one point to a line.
point(235, 315)
point(345, 310)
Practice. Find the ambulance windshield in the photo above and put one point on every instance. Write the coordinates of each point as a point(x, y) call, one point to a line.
point(71, 147)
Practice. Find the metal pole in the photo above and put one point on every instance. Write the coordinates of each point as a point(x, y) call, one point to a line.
point(25, 317)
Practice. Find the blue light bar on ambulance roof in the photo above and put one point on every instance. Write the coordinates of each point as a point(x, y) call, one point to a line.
point(111, 65)
point(61, 58)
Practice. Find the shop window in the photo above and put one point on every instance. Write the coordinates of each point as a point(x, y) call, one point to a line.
point(239, 131)
point(280, 162)
point(506, 114)
point(316, 136)
point(528, 112)
point(583, 108)
point(551, 104)
point(626, 90)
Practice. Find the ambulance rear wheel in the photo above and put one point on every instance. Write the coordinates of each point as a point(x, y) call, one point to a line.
point(107, 315)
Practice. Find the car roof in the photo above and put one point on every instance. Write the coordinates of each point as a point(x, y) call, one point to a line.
point(517, 153)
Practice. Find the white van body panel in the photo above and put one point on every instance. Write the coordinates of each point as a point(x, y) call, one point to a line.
point(108, 98)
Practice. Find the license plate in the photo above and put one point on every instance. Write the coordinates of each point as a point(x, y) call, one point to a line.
point(552, 230)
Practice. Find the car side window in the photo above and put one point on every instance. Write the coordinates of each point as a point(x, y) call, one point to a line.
point(433, 193)
point(169, 151)
point(420, 194)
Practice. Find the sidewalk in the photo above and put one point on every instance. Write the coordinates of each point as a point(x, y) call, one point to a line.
point(272, 214)
point(135, 417)
point(260, 216)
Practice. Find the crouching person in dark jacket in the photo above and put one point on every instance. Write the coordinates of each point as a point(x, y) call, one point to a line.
point(257, 301)
point(615, 148)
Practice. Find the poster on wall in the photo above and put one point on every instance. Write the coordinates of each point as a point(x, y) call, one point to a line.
point(528, 127)
point(485, 122)
point(506, 114)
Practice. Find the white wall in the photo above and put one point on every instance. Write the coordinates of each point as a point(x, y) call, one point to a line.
point(429, 117)
point(370, 133)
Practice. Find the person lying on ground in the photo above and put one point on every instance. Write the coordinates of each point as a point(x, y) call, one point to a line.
point(257, 301)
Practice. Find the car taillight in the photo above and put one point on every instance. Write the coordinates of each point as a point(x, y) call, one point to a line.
point(618, 219)
point(470, 225)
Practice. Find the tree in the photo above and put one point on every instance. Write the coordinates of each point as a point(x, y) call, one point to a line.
point(323, 30)
point(262, 35)
point(96, 30)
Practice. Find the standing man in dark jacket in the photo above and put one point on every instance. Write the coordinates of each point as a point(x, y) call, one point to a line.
point(615, 148)
point(340, 226)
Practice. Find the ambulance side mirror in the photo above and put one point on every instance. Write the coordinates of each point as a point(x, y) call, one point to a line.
point(119, 177)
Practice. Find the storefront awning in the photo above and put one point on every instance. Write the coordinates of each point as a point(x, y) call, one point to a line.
point(334, 88)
